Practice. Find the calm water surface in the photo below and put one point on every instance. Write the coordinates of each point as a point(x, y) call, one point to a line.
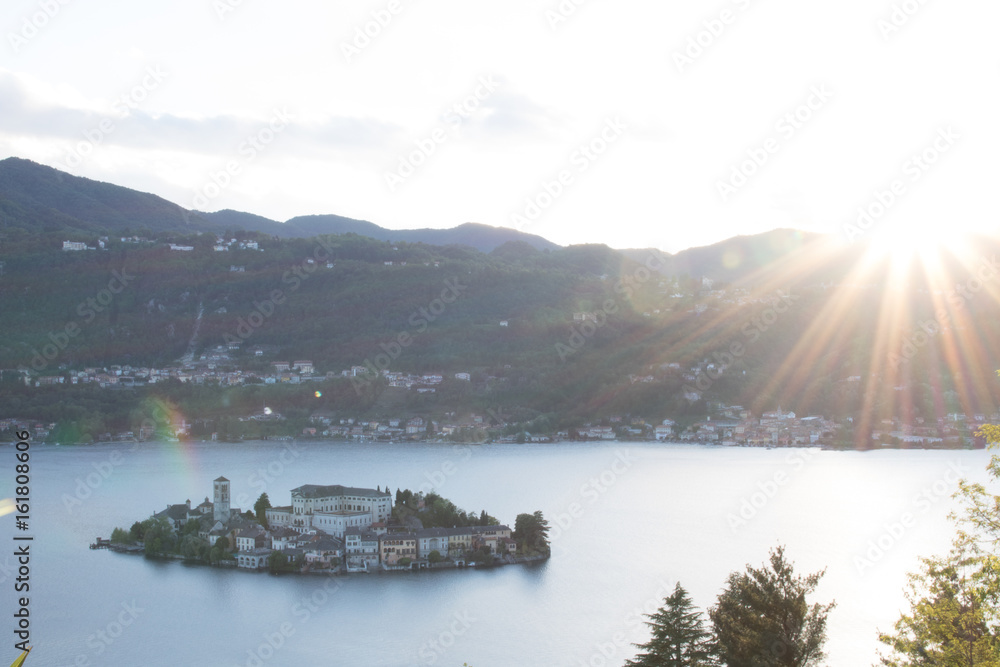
point(629, 520)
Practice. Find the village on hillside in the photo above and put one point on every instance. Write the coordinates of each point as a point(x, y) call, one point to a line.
point(730, 425)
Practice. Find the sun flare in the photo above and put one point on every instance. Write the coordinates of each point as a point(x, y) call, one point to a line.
point(926, 242)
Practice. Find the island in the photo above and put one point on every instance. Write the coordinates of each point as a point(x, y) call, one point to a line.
point(332, 529)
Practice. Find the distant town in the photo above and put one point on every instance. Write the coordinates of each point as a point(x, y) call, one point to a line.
point(236, 364)
point(732, 425)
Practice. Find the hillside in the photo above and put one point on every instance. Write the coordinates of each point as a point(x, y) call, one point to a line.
point(566, 335)
point(738, 257)
point(51, 204)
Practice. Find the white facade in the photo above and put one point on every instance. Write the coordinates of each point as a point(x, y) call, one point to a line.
point(337, 523)
point(279, 517)
point(335, 508)
point(361, 549)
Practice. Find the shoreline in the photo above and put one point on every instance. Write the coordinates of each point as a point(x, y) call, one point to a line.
point(137, 550)
point(335, 441)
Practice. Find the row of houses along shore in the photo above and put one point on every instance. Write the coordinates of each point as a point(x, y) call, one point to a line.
point(337, 528)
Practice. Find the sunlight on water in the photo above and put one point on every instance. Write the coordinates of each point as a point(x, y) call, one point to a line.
point(629, 520)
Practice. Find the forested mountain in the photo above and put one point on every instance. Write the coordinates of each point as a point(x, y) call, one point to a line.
point(805, 322)
point(566, 334)
point(48, 203)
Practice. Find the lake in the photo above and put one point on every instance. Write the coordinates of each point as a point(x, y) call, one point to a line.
point(628, 521)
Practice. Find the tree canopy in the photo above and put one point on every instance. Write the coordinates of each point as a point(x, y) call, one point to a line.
point(260, 509)
point(531, 532)
point(762, 617)
point(679, 635)
point(954, 616)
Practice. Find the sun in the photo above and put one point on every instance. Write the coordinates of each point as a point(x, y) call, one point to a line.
point(905, 242)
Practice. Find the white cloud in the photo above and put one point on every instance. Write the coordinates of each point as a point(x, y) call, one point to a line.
point(353, 121)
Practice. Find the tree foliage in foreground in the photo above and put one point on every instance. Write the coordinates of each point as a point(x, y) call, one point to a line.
point(679, 635)
point(762, 617)
point(954, 617)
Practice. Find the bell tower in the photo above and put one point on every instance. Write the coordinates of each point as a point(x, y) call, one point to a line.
point(220, 509)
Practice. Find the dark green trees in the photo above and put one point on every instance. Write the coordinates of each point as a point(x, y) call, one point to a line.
point(762, 617)
point(679, 636)
point(531, 532)
point(260, 509)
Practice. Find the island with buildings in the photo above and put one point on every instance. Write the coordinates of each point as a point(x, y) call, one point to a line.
point(334, 529)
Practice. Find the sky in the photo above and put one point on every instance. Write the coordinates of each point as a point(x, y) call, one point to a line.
point(635, 123)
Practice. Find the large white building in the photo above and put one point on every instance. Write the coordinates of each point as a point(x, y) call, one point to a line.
point(332, 509)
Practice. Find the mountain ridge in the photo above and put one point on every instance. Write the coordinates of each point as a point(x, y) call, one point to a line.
point(33, 195)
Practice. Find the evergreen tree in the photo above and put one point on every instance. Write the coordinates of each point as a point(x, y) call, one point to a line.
point(762, 618)
point(679, 636)
point(531, 532)
point(260, 509)
point(136, 531)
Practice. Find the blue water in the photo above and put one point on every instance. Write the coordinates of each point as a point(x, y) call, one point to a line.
point(629, 520)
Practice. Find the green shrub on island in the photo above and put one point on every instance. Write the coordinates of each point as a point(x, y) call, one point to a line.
point(531, 532)
point(121, 536)
point(434, 511)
